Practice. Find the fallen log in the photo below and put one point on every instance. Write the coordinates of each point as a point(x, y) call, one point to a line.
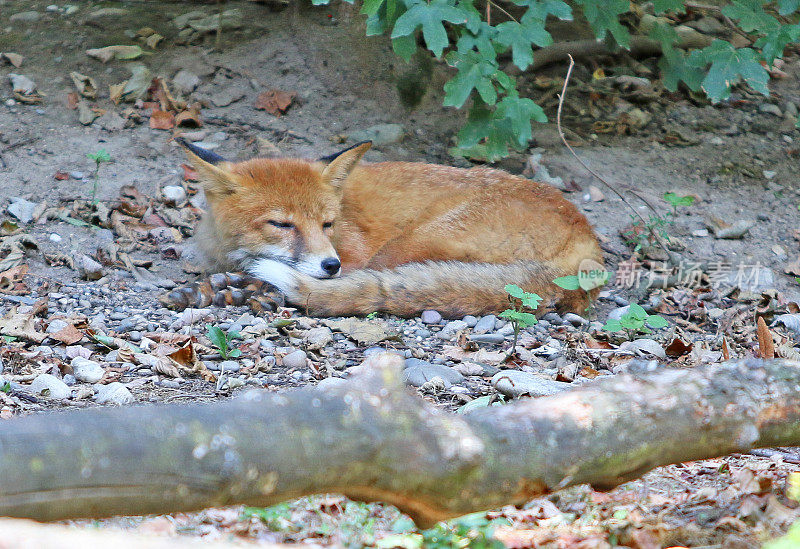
point(371, 439)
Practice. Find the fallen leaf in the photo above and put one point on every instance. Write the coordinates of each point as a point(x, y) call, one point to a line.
point(367, 332)
point(153, 40)
point(190, 118)
point(68, 335)
point(84, 84)
point(72, 101)
point(162, 120)
point(275, 102)
point(115, 91)
point(678, 347)
point(766, 346)
point(115, 52)
point(793, 268)
point(19, 325)
point(61, 176)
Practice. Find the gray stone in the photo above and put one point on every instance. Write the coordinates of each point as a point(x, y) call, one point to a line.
point(417, 375)
point(618, 313)
point(470, 321)
point(485, 324)
point(575, 320)
point(114, 393)
point(182, 21)
point(330, 383)
point(169, 383)
point(25, 17)
point(185, 82)
point(769, 108)
point(295, 359)
point(431, 317)
point(469, 369)
point(409, 362)
point(488, 338)
point(22, 209)
point(317, 338)
point(174, 195)
point(107, 13)
point(87, 371)
point(380, 134)
point(230, 366)
point(89, 268)
point(56, 326)
point(644, 346)
point(111, 121)
point(451, 328)
point(49, 386)
point(231, 19)
point(515, 383)
point(225, 97)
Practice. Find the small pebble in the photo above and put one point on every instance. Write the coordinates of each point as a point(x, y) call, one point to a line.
point(295, 359)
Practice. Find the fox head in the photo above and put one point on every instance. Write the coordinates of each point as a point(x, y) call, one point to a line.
point(280, 209)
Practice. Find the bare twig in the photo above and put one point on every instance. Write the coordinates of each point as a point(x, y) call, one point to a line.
point(594, 173)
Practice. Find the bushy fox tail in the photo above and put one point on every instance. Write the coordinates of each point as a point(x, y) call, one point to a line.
point(452, 288)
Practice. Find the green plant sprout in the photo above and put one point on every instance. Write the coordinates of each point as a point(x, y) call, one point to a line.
point(585, 280)
point(675, 201)
point(635, 321)
point(520, 300)
point(100, 157)
point(222, 341)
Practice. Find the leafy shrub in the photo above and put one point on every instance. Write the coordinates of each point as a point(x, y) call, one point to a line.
point(499, 118)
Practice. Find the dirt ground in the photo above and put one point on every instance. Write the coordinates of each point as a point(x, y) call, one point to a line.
point(739, 160)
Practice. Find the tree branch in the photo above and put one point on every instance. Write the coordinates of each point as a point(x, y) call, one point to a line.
point(371, 439)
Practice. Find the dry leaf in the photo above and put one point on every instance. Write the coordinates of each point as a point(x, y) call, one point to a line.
point(84, 84)
point(766, 346)
point(275, 102)
point(190, 118)
point(367, 332)
point(726, 353)
point(115, 91)
point(21, 326)
point(162, 120)
point(677, 347)
point(153, 40)
point(68, 335)
point(115, 52)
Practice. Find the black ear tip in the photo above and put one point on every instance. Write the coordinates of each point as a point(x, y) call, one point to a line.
point(203, 154)
point(332, 157)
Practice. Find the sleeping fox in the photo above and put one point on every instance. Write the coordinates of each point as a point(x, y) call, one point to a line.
point(340, 237)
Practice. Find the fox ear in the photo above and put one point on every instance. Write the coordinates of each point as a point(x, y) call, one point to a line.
point(342, 163)
point(211, 168)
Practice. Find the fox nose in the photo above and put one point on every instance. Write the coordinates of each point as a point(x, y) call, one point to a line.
point(331, 265)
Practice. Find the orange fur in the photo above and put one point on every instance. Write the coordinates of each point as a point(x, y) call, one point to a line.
point(410, 236)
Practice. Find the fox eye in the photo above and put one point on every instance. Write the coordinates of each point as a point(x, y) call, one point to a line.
point(281, 224)
point(327, 225)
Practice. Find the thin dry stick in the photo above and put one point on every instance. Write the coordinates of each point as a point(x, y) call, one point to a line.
point(590, 170)
point(490, 3)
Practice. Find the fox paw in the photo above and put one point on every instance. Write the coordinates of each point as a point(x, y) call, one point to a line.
point(288, 280)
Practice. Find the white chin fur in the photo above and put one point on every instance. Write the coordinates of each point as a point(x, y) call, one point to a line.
point(276, 273)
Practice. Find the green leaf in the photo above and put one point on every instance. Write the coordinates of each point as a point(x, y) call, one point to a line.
point(603, 16)
point(72, 221)
point(637, 311)
point(751, 16)
point(514, 291)
point(473, 72)
point(371, 7)
point(429, 16)
point(520, 111)
point(234, 353)
point(785, 7)
point(630, 322)
point(99, 156)
point(405, 47)
point(655, 321)
point(772, 44)
point(730, 65)
point(567, 282)
point(676, 200)
point(613, 325)
point(527, 319)
point(217, 337)
point(520, 36)
point(591, 279)
point(661, 6)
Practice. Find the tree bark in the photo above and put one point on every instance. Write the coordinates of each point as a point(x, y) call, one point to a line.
point(371, 439)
